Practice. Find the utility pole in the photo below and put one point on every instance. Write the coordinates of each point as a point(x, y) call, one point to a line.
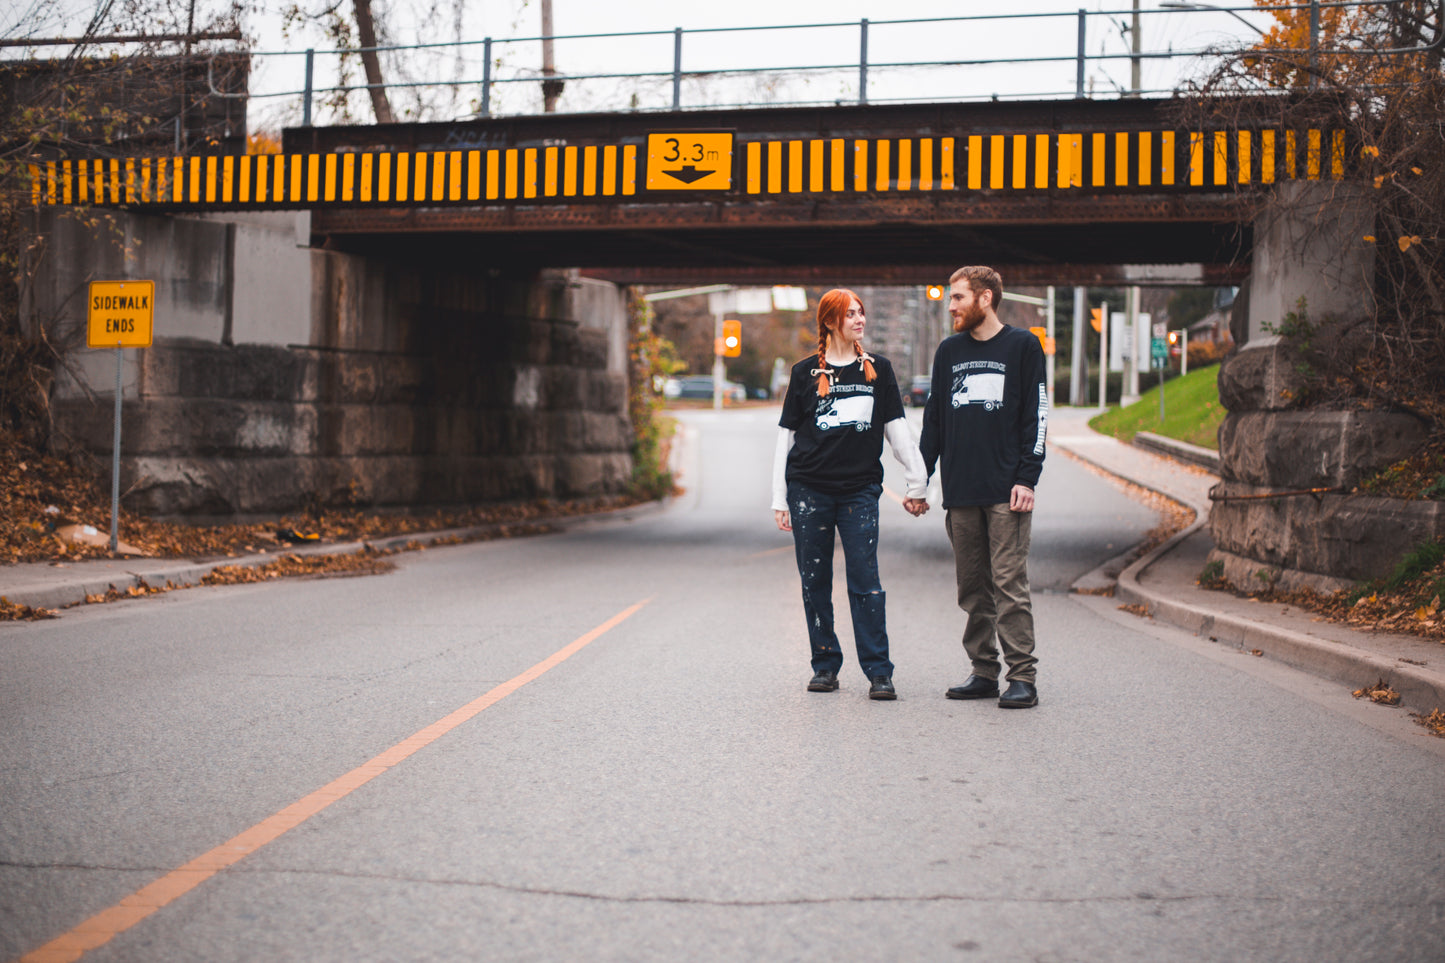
point(1053, 352)
point(551, 86)
point(1078, 364)
point(1132, 345)
point(1135, 84)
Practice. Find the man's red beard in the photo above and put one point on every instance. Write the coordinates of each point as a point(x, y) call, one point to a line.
point(971, 318)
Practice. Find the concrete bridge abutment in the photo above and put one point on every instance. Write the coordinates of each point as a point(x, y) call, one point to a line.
point(1286, 514)
point(282, 376)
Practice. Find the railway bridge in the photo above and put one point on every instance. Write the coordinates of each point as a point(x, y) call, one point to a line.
point(430, 313)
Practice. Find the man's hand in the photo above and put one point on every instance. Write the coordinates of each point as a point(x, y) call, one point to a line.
point(1021, 499)
point(915, 506)
point(784, 520)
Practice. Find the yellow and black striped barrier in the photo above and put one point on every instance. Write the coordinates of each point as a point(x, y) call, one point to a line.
point(1085, 162)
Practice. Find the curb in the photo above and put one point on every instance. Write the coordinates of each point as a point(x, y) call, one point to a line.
point(1332, 661)
point(64, 594)
point(1178, 450)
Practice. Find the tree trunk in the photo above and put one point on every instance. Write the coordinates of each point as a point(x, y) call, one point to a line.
point(366, 31)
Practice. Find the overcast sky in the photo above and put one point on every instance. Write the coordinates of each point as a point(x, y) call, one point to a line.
point(777, 53)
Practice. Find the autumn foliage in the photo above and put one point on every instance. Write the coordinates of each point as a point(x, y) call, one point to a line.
point(1373, 70)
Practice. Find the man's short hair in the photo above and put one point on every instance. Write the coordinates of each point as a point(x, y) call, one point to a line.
point(981, 279)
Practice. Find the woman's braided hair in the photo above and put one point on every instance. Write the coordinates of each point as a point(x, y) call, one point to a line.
point(832, 310)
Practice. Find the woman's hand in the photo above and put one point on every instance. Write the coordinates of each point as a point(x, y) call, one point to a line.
point(915, 506)
point(784, 520)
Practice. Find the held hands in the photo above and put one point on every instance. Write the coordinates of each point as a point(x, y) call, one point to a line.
point(915, 506)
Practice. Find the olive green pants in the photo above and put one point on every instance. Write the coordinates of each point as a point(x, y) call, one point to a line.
point(991, 562)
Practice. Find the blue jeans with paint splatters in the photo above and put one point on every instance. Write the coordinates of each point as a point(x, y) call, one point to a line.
point(816, 517)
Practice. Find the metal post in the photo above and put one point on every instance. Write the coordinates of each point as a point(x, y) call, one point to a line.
point(1163, 369)
point(1314, 44)
point(676, 68)
point(115, 464)
point(1078, 366)
point(1104, 356)
point(1049, 326)
point(306, 97)
point(487, 77)
point(1079, 73)
point(863, 63)
point(1136, 339)
point(1183, 352)
point(718, 371)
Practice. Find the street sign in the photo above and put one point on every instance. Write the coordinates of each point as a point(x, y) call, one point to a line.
point(1159, 349)
point(690, 161)
point(120, 314)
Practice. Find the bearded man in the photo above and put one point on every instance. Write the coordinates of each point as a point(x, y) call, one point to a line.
point(986, 419)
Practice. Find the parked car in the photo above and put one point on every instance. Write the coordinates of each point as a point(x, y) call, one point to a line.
point(700, 387)
point(917, 395)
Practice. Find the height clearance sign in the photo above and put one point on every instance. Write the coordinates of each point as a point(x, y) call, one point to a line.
point(120, 314)
point(690, 161)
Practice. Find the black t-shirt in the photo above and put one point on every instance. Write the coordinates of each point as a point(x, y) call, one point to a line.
point(987, 416)
point(838, 447)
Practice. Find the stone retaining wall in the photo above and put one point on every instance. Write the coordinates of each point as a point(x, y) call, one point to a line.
point(260, 429)
point(282, 375)
point(1266, 531)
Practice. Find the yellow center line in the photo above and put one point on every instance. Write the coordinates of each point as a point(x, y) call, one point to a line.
point(109, 923)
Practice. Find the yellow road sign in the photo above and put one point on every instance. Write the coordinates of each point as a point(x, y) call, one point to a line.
point(120, 314)
point(683, 161)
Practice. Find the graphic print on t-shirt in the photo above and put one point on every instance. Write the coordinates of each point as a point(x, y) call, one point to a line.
point(978, 383)
point(855, 411)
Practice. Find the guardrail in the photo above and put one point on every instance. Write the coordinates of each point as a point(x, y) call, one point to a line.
point(1069, 54)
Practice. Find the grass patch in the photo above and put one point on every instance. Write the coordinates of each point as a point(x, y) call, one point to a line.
point(1192, 411)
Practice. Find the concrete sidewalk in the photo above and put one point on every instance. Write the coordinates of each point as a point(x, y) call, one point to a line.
point(1165, 581)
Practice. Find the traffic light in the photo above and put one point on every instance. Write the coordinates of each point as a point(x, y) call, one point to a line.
point(934, 292)
point(1096, 319)
point(732, 339)
point(1046, 342)
point(1173, 337)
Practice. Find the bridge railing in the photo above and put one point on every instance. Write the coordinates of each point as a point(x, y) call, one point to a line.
point(997, 56)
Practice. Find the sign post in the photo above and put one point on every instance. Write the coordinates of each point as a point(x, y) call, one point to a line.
point(1159, 349)
point(119, 315)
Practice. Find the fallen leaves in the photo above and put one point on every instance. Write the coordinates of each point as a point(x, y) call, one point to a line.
point(1138, 609)
point(15, 612)
point(365, 562)
point(1433, 721)
point(42, 495)
point(1379, 693)
point(1413, 607)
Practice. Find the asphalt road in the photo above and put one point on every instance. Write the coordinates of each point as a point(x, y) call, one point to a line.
point(669, 791)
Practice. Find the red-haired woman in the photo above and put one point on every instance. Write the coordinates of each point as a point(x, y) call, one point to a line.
point(828, 476)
